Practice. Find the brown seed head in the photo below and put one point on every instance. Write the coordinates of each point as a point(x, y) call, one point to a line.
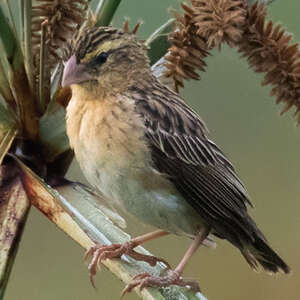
point(268, 50)
point(63, 16)
point(220, 21)
point(188, 50)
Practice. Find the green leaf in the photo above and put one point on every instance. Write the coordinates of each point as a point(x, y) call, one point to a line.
point(10, 43)
point(105, 11)
point(158, 41)
point(13, 64)
point(8, 131)
point(5, 90)
point(14, 207)
point(73, 202)
point(28, 57)
point(53, 132)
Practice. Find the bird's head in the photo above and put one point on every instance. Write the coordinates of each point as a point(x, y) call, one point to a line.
point(105, 58)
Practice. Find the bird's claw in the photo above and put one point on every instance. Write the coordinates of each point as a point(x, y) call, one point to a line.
point(145, 280)
point(101, 252)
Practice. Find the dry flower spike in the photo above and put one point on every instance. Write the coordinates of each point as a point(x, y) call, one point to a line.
point(187, 52)
point(220, 21)
point(268, 50)
point(53, 23)
point(135, 28)
point(63, 18)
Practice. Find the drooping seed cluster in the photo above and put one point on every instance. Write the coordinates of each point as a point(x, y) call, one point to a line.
point(269, 50)
point(206, 24)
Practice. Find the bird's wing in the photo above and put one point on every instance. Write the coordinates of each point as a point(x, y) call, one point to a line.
point(197, 167)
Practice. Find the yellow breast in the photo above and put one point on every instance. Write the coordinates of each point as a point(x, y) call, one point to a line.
point(106, 135)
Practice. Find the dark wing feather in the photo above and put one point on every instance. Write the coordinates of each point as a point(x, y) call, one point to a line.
point(197, 167)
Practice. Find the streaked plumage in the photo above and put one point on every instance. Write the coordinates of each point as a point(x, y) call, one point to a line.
point(141, 146)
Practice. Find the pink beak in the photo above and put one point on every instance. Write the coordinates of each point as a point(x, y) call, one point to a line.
point(74, 73)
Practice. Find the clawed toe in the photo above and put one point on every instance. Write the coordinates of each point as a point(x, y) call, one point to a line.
point(146, 280)
point(100, 253)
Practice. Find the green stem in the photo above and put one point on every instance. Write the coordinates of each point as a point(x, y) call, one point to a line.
point(7, 36)
point(42, 67)
point(158, 41)
point(105, 11)
point(28, 61)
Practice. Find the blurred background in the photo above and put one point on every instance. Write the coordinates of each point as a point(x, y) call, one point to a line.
point(244, 121)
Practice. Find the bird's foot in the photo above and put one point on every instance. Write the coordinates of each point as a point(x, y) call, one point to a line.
point(100, 253)
point(145, 280)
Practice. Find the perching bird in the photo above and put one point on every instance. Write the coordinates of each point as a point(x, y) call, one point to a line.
point(146, 151)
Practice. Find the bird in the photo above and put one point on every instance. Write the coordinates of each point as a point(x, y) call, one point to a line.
point(149, 154)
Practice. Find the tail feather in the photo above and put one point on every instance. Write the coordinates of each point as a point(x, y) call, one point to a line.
point(260, 253)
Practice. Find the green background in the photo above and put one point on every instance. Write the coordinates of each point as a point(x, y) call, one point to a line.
point(244, 120)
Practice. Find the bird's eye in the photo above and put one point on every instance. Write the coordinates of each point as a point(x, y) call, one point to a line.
point(101, 58)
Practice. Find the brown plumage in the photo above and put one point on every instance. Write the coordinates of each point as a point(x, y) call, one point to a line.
point(144, 149)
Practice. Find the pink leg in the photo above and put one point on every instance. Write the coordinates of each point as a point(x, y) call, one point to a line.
point(191, 250)
point(173, 277)
point(100, 253)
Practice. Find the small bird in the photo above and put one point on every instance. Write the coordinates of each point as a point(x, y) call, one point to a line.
point(149, 154)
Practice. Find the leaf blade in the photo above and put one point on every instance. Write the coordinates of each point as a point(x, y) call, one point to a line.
point(105, 11)
point(158, 41)
point(14, 207)
point(8, 131)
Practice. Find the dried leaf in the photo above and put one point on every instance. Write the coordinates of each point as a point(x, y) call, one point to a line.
point(14, 207)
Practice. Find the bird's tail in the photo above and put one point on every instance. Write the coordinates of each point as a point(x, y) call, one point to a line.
point(260, 253)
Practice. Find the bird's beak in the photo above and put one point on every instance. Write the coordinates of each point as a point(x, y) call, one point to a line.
point(74, 73)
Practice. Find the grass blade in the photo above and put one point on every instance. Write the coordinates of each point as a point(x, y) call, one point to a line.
point(28, 57)
point(5, 88)
point(10, 43)
point(105, 11)
point(158, 41)
point(56, 141)
point(6, 139)
point(8, 131)
point(42, 76)
point(13, 63)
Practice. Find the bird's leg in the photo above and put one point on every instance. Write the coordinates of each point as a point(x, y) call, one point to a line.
point(174, 276)
point(102, 252)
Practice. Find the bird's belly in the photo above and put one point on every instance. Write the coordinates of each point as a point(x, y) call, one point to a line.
point(151, 198)
point(115, 159)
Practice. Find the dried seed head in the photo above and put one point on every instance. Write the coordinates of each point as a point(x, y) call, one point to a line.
point(220, 21)
point(135, 28)
point(268, 50)
point(188, 50)
point(64, 17)
point(53, 23)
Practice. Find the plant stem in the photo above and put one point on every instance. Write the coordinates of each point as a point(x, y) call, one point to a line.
point(42, 67)
point(105, 11)
point(27, 8)
point(158, 41)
